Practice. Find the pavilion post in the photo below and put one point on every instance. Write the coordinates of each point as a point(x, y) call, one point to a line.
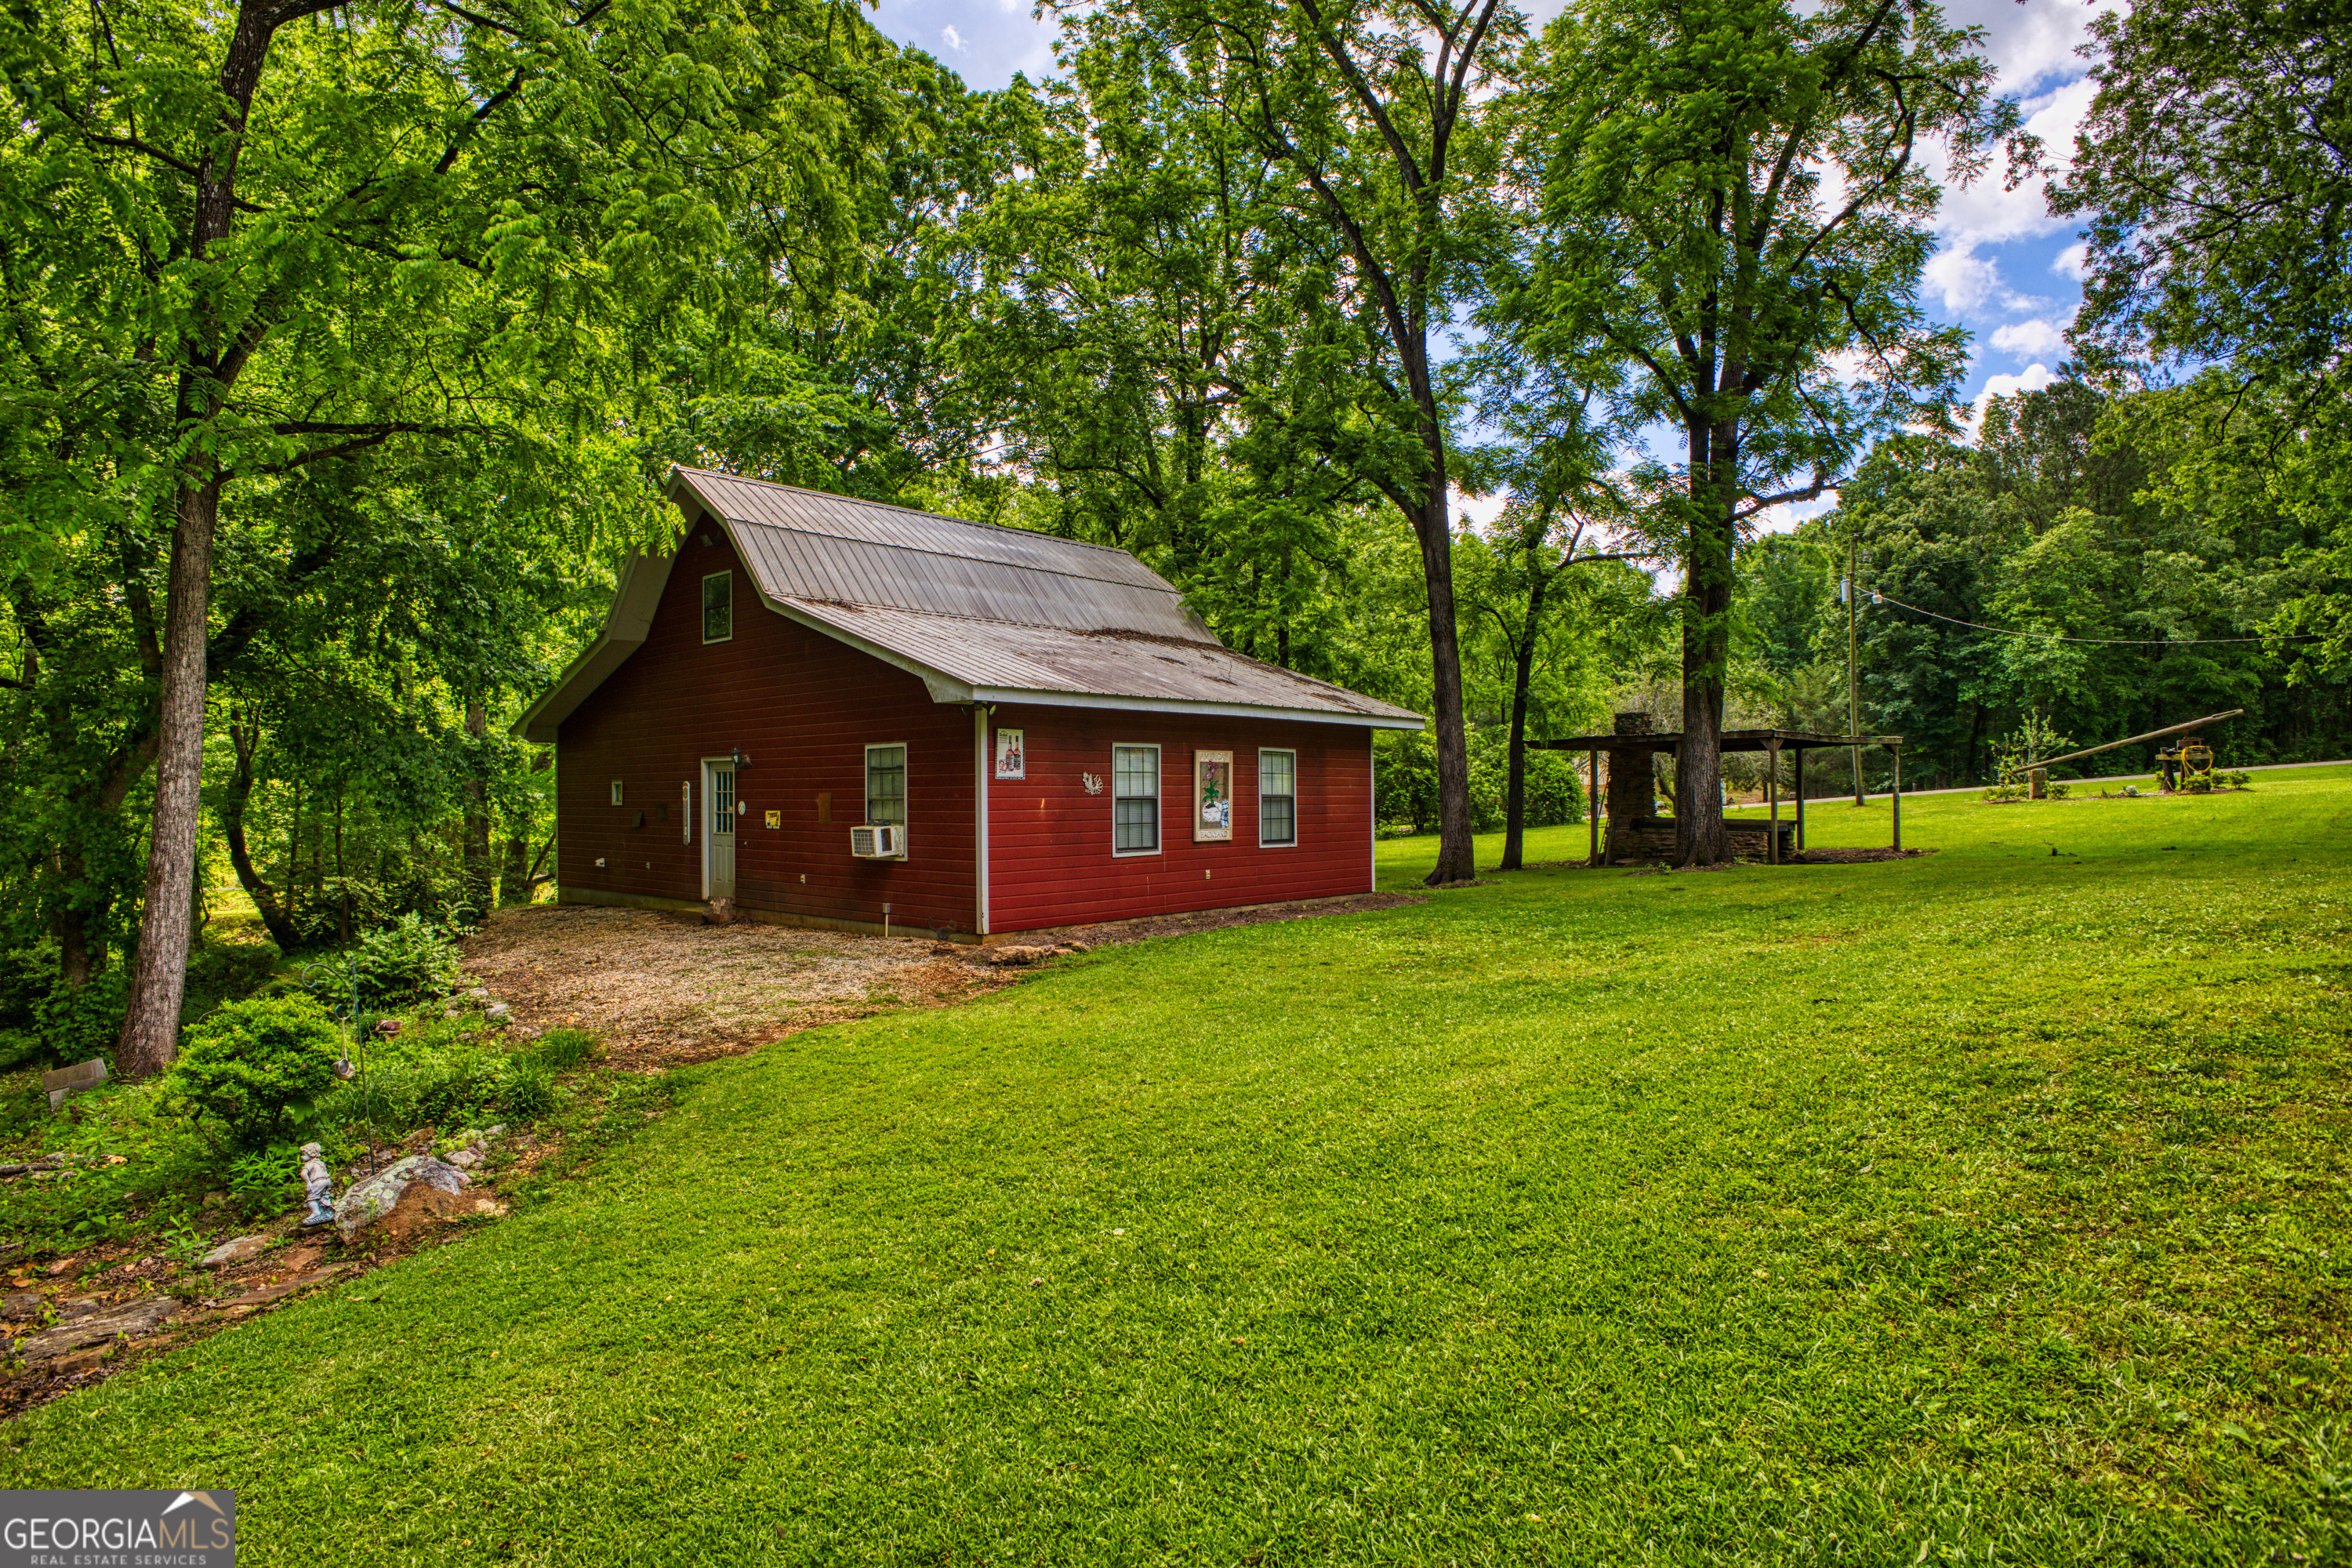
point(1894, 793)
point(1592, 805)
point(1772, 801)
point(1801, 799)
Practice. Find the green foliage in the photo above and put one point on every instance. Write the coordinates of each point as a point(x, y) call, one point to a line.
point(411, 959)
point(449, 1073)
point(1408, 781)
point(255, 1068)
point(267, 1180)
point(221, 971)
point(561, 1050)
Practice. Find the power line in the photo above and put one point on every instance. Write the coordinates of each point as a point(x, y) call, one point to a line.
point(1878, 598)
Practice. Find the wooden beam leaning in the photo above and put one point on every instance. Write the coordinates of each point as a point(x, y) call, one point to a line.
point(2151, 735)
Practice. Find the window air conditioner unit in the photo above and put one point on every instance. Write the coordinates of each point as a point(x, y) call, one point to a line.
point(878, 842)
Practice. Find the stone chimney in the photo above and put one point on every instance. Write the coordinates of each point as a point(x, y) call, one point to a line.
point(1632, 794)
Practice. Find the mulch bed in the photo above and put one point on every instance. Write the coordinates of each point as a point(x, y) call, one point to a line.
point(662, 990)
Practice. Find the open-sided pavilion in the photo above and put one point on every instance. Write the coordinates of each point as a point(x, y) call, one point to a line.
point(1633, 827)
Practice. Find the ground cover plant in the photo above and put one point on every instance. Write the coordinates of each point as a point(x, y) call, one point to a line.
point(1978, 1207)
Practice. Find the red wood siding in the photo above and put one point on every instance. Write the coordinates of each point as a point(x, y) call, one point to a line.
point(1049, 857)
point(804, 708)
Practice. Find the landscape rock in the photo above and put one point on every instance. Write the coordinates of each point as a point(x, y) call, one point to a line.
point(466, 1159)
point(266, 1294)
point(13, 1170)
point(128, 1321)
point(237, 1249)
point(498, 1013)
point(371, 1200)
point(20, 1304)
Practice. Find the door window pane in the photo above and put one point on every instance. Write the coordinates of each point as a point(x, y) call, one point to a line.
point(722, 800)
point(1135, 798)
point(886, 785)
point(1277, 797)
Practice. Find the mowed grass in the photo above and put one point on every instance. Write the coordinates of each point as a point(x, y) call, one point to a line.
point(1986, 1207)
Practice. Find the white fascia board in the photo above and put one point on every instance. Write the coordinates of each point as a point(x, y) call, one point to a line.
point(1182, 705)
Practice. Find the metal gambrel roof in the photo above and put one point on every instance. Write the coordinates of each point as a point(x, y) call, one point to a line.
point(981, 613)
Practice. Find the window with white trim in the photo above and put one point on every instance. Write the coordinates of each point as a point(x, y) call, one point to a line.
point(1277, 797)
point(718, 607)
point(886, 785)
point(1135, 800)
point(616, 791)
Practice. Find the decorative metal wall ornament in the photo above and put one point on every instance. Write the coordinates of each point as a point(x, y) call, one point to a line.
point(1093, 781)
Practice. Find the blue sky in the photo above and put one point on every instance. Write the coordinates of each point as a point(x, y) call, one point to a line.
point(2005, 268)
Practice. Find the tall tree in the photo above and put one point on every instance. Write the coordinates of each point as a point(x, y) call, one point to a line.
point(268, 245)
point(1364, 108)
point(1734, 199)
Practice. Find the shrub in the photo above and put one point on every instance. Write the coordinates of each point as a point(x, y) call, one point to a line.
point(222, 971)
point(444, 1084)
point(408, 960)
point(256, 1067)
point(561, 1050)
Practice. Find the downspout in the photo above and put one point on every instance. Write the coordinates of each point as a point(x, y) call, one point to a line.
point(980, 758)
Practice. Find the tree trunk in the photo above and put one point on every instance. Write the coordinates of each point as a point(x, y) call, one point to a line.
point(1514, 805)
point(478, 811)
point(233, 804)
point(214, 347)
point(159, 980)
point(74, 960)
point(1457, 855)
point(514, 872)
point(1706, 648)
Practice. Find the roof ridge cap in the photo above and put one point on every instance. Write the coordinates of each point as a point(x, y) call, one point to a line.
point(896, 506)
point(1000, 621)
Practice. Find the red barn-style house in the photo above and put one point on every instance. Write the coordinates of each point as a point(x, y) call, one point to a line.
point(839, 714)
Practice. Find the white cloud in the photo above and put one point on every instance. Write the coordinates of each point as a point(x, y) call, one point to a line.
point(1986, 212)
point(1478, 511)
point(2030, 339)
point(2029, 41)
point(2073, 262)
point(2034, 378)
point(953, 38)
point(1964, 279)
point(1784, 519)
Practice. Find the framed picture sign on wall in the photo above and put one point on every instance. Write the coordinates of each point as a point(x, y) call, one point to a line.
point(1012, 761)
point(1213, 796)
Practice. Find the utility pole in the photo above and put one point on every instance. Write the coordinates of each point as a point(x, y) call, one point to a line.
point(1853, 681)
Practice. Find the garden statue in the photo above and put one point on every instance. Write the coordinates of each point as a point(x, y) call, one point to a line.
point(318, 1184)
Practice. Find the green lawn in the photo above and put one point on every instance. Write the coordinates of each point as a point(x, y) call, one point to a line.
point(1986, 1207)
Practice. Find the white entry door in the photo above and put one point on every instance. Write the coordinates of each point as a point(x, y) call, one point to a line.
point(718, 830)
